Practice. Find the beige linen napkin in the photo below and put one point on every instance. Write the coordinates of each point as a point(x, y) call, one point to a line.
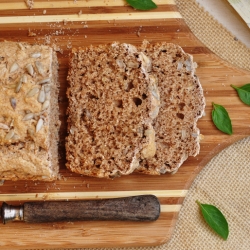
point(225, 183)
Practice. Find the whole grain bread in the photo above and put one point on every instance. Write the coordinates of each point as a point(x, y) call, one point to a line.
point(182, 104)
point(29, 114)
point(112, 103)
point(132, 109)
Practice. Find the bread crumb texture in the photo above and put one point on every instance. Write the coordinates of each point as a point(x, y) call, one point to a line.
point(29, 112)
point(131, 109)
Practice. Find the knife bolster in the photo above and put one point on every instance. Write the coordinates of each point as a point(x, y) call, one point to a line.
point(11, 213)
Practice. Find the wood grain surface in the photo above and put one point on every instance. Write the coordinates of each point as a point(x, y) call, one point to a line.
point(66, 24)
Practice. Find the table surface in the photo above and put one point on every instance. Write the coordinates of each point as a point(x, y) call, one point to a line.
point(103, 22)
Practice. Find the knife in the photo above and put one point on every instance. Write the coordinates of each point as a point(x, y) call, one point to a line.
point(133, 208)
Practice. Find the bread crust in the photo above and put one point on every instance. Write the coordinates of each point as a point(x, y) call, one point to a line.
point(29, 109)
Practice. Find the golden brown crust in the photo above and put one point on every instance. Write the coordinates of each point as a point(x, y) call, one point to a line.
point(29, 110)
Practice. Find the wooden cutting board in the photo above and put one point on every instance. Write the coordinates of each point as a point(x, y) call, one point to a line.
point(66, 24)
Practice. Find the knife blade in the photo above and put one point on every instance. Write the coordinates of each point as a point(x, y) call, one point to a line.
point(133, 208)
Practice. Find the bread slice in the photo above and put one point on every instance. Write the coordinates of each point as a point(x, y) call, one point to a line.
point(112, 103)
point(182, 104)
point(29, 114)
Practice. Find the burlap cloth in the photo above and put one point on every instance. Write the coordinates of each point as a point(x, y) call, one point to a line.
point(225, 180)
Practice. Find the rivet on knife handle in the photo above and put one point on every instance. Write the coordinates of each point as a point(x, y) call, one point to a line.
point(134, 208)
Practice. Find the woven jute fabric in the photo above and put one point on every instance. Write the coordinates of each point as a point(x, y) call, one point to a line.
point(213, 34)
point(225, 183)
point(225, 180)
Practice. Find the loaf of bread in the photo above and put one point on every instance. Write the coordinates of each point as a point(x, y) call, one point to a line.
point(182, 104)
point(29, 114)
point(112, 103)
point(132, 109)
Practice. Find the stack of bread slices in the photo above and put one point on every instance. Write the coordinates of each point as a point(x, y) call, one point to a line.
point(132, 108)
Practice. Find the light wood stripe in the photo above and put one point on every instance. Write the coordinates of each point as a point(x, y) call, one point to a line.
point(170, 208)
point(73, 4)
point(90, 17)
point(89, 195)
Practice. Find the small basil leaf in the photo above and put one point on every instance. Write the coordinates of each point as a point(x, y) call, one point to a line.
point(244, 93)
point(221, 119)
point(142, 4)
point(215, 219)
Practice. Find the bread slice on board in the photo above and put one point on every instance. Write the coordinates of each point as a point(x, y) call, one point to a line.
point(132, 109)
point(112, 102)
point(29, 114)
point(182, 104)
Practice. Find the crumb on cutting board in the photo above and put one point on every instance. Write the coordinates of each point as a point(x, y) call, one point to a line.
point(30, 4)
point(30, 33)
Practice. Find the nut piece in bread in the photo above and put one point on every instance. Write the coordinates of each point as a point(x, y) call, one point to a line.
point(29, 114)
point(113, 100)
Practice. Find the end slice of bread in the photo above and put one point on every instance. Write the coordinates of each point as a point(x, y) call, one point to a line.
point(29, 114)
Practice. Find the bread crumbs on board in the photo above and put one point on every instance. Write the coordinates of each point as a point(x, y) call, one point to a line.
point(30, 33)
point(29, 3)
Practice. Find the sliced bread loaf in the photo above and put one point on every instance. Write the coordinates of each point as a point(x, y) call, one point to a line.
point(112, 103)
point(29, 114)
point(182, 104)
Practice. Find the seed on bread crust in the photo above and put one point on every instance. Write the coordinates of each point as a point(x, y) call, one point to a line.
point(39, 67)
point(24, 79)
point(32, 92)
point(36, 55)
point(39, 125)
point(18, 86)
point(45, 80)
point(10, 134)
point(28, 117)
point(41, 96)
point(45, 105)
point(13, 102)
point(4, 126)
point(14, 67)
point(30, 69)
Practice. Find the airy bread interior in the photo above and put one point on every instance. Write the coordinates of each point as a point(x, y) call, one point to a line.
point(111, 106)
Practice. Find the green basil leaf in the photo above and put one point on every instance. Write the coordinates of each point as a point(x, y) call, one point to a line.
point(215, 219)
point(244, 93)
point(142, 4)
point(221, 119)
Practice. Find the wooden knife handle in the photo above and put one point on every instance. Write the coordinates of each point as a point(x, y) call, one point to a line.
point(134, 208)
